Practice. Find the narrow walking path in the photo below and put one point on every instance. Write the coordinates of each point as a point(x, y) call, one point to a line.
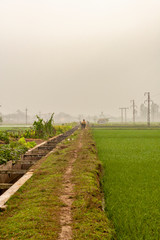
point(63, 198)
point(67, 196)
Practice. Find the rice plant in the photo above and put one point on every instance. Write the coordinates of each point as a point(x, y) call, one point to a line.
point(131, 181)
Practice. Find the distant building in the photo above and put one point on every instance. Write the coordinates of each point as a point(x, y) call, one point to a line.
point(103, 120)
point(64, 118)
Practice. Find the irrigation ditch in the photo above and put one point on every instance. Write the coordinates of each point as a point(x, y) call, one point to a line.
point(14, 174)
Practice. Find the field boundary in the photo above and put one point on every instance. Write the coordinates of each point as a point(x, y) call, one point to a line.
point(89, 219)
point(131, 166)
point(29, 172)
point(127, 127)
point(40, 204)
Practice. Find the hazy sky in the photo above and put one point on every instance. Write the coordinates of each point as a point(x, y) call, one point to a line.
point(76, 56)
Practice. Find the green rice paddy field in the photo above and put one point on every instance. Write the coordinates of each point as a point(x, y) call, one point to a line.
point(131, 181)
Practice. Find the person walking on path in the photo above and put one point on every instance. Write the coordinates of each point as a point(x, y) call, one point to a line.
point(83, 124)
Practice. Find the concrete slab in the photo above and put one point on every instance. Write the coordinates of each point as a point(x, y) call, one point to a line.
point(6, 195)
point(5, 185)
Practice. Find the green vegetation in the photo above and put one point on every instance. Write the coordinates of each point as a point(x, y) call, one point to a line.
point(14, 133)
point(11, 148)
point(33, 212)
point(13, 128)
point(127, 124)
point(15, 138)
point(40, 129)
point(23, 142)
point(44, 129)
point(62, 128)
point(1, 119)
point(14, 150)
point(7, 152)
point(89, 219)
point(38, 201)
point(131, 160)
point(4, 137)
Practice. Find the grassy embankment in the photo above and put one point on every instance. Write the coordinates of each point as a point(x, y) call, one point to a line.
point(34, 211)
point(131, 160)
point(89, 220)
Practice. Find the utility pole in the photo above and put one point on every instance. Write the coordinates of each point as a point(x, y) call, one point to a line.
point(26, 115)
point(125, 109)
point(148, 108)
point(134, 111)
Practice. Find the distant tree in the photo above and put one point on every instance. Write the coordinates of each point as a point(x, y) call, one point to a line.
point(1, 119)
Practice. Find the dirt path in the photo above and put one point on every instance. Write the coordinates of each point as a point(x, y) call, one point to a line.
point(63, 199)
point(67, 197)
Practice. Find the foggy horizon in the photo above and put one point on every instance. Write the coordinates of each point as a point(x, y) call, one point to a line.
point(82, 57)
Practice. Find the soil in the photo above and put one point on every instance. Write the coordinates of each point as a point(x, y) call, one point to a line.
point(67, 197)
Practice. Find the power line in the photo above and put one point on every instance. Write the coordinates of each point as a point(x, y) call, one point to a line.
point(125, 112)
point(148, 100)
point(134, 110)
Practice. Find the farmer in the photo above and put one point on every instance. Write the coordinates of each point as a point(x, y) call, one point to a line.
point(83, 124)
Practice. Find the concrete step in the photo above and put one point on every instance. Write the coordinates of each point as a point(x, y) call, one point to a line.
point(5, 185)
point(50, 144)
point(45, 148)
point(33, 156)
point(40, 152)
point(13, 171)
point(28, 162)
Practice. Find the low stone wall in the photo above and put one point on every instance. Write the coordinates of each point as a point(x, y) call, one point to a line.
point(8, 178)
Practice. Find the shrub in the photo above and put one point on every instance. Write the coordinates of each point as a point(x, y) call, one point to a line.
point(4, 136)
point(14, 150)
point(44, 129)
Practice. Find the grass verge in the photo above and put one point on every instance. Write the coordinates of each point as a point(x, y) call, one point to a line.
point(89, 219)
point(33, 212)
